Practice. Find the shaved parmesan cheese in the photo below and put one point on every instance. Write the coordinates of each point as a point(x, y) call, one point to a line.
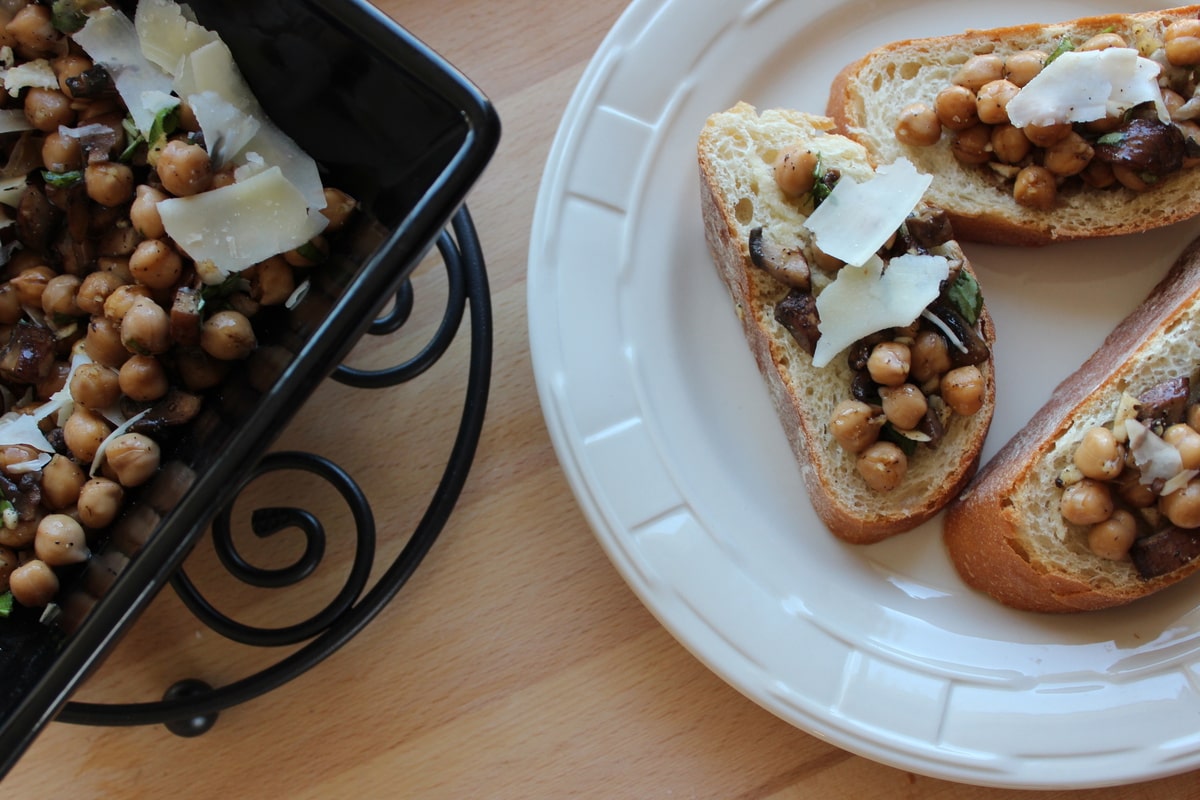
point(32, 465)
point(16, 428)
point(167, 36)
point(11, 190)
point(862, 301)
point(228, 229)
point(1156, 458)
point(1179, 481)
point(227, 129)
point(98, 461)
point(110, 39)
point(211, 69)
point(1086, 85)
point(14, 119)
point(857, 219)
point(36, 74)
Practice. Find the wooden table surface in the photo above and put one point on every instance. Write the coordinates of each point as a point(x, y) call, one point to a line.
point(516, 662)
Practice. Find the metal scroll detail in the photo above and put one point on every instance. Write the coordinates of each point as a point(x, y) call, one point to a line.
point(191, 707)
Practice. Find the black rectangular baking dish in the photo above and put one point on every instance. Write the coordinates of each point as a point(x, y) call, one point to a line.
point(393, 124)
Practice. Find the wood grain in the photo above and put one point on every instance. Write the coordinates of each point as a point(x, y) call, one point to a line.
point(516, 663)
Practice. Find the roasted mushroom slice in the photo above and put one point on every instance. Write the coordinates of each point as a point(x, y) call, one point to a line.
point(786, 265)
point(1164, 404)
point(798, 313)
point(1165, 551)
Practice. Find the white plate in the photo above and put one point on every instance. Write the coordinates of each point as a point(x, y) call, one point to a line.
point(667, 436)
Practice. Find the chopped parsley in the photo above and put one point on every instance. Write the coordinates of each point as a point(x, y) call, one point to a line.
point(1065, 45)
point(965, 295)
point(6, 604)
point(62, 180)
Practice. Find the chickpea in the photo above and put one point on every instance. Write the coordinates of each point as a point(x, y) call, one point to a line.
point(30, 283)
point(992, 101)
point(1182, 39)
point(94, 289)
point(117, 265)
point(962, 389)
point(1112, 538)
point(226, 176)
point(930, 356)
point(146, 328)
point(974, 145)
point(1024, 66)
point(103, 342)
point(67, 67)
point(1182, 506)
point(109, 183)
point(11, 310)
point(155, 263)
point(1135, 493)
point(1186, 440)
point(184, 169)
point(338, 208)
point(310, 254)
point(1173, 100)
point(1099, 127)
point(1035, 188)
point(228, 336)
point(144, 212)
point(796, 171)
point(272, 281)
point(979, 70)
point(122, 298)
point(33, 584)
point(1099, 454)
point(1103, 41)
point(855, 425)
point(61, 153)
point(83, 432)
point(8, 562)
point(13, 454)
point(33, 30)
point(904, 405)
point(134, 457)
point(1009, 144)
point(142, 378)
point(199, 370)
point(60, 541)
point(48, 109)
point(1130, 178)
point(889, 363)
point(21, 537)
point(58, 298)
point(1069, 156)
point(956, 108)
point(883, 466)
point(62, 479)
point(1098, 174)
point(918, 125)
point(95, 387)
point(100, 501)
point(1086, 502)
point(1046, 135)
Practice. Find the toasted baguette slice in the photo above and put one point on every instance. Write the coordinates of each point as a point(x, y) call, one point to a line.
point(736, 152)
point(1005, 533)
point(867, 96)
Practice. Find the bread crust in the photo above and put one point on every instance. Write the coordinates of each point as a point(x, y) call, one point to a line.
point(987, 532)
point(982, 210)
point(806, 431)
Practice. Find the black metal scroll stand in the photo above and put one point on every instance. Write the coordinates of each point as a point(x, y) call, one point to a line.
point(190, 707)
